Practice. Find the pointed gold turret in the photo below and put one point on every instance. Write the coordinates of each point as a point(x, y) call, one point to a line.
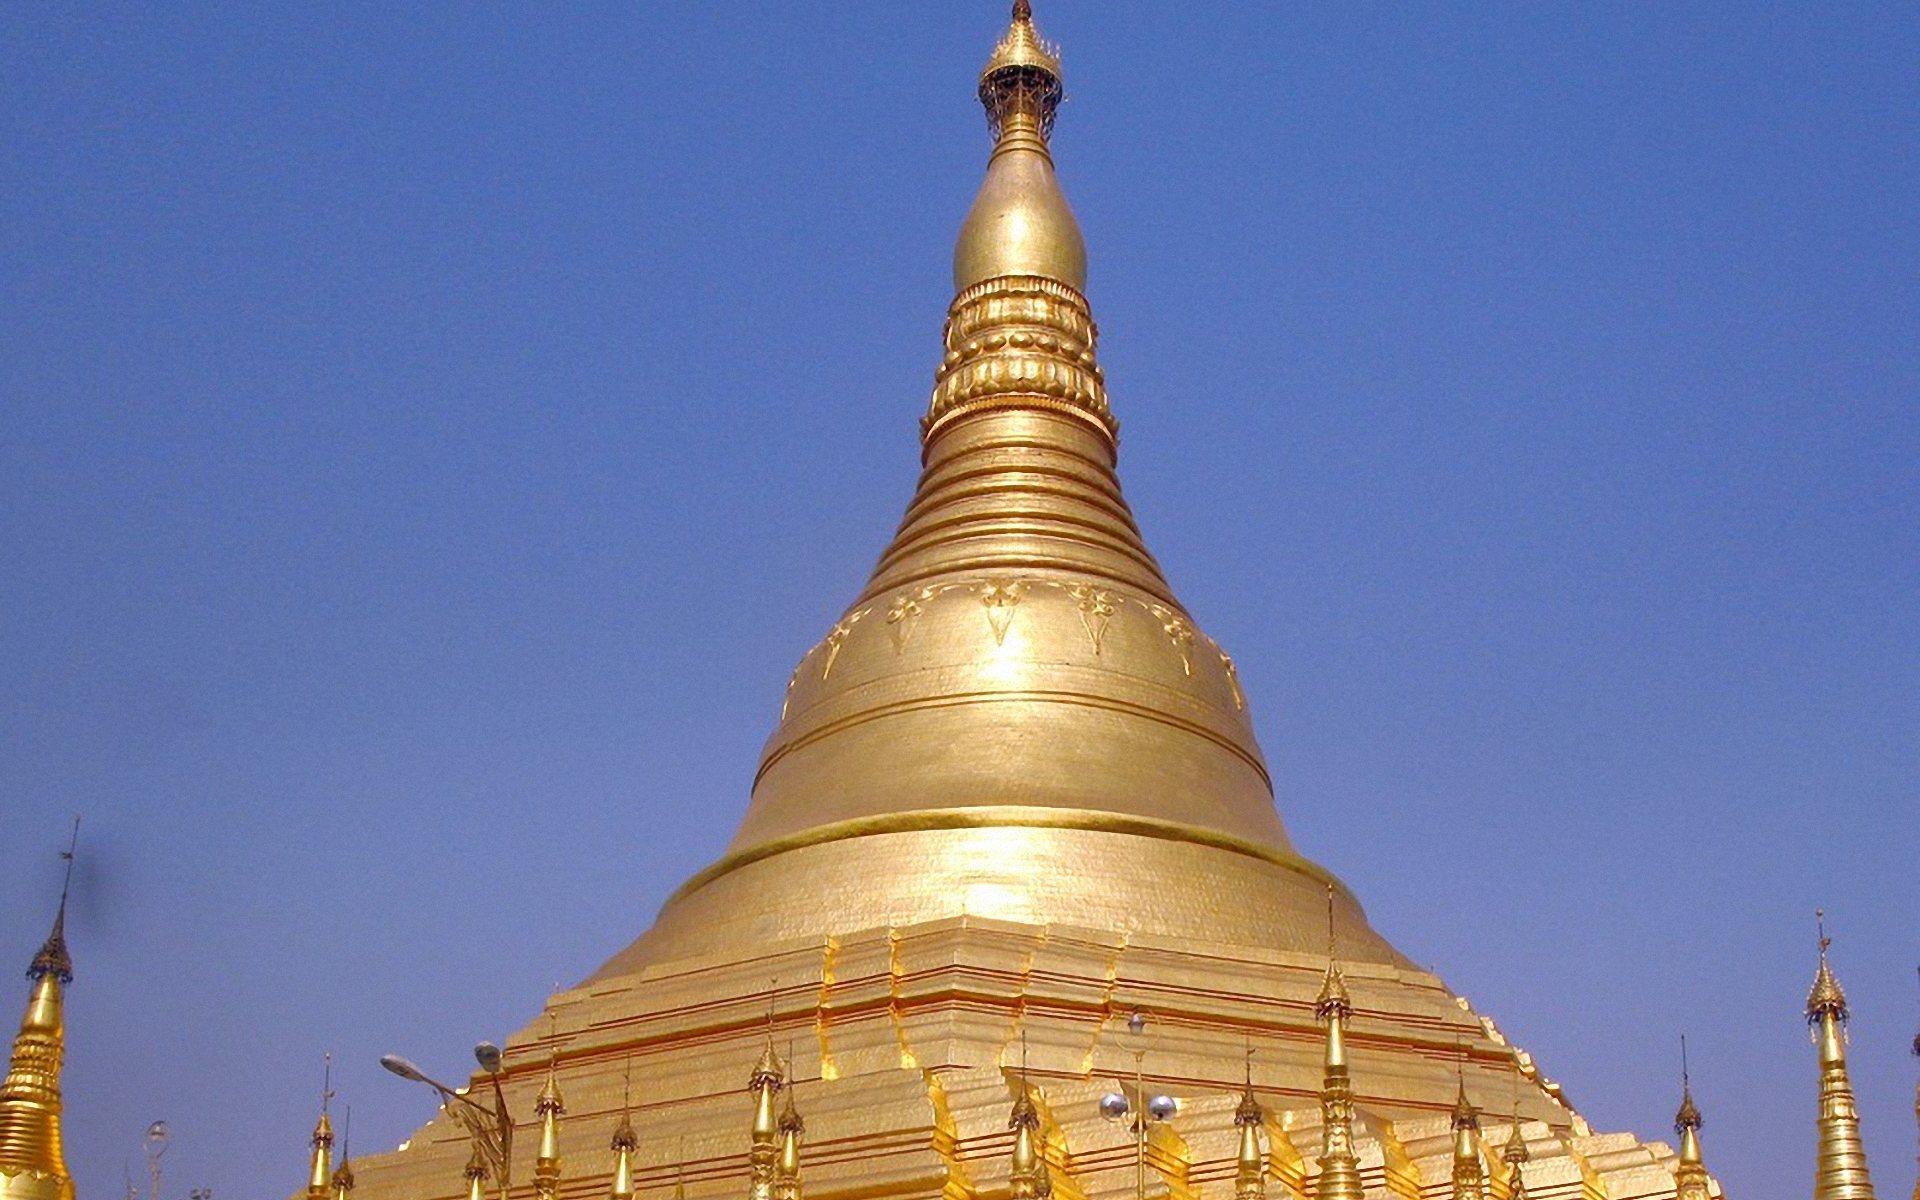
point(1339, 1166)
point(343, 1180)
point(1516, 1156)
point(1016, 686)
point(1250, 1163)
point(320, 1162)
point(624, 1144)
point(1690, 1173)
point(1469, 1174)
point(786, 1172)
point(33, 1163)
point(548, 1107)
point(1028, 1178)
point(1840, 1172)
point(763, 1154)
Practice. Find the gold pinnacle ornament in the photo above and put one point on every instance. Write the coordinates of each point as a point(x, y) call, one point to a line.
point(1339, 1165)
point(763, 1154)
point(1250, 1164)
point(786, 1171)
point(549, 1108)
point(1690, 1172)
point(1027, 1177)
point(33, 1164)
point(624, 1143)
point(1516, 1155)
point(1469, 1173)
point(320, 1161)
point(343, 1180)
point(1840, 1169)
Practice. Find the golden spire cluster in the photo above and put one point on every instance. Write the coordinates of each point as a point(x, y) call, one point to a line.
point(1840, 1169)
point(1028, 1177)
point(1339, 1165)
point(33, 1164)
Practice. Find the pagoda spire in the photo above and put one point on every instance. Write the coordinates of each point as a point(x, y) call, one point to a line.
point(1028, 1178)
point(33, 1164)
point(320, 1160)
point(624, 1143)
point(1469, 1174)
point(1515, 1154)
point(786, 1170)
point(765, 1083)
point(1840, 1171)
point(1250, 1164)
point(1690, 1173)
point(343, 1180)
point(1339, 1165)
point(548, 1108)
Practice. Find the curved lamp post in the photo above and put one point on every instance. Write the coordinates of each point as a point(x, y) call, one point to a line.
point(490, 1128)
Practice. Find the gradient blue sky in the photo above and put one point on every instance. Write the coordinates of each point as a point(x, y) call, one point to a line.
point(432, 432)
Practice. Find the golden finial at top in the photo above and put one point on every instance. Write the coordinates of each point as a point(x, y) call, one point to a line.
point(1022, 60)
point(1826, 995)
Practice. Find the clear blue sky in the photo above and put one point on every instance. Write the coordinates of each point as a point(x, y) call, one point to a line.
point(431, 434)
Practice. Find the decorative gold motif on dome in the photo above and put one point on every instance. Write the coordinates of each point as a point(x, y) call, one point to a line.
point(900, 614)
point(1001, 597)
point(837, 636)
point(1179, 631)
point(1096, 606)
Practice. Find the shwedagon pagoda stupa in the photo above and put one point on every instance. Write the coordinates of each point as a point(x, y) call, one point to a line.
point(1013, 800)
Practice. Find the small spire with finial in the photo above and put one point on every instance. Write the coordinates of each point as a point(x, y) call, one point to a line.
point(1690, 1172)
point(30, 1102)
point(624, 1142)
point(549, 1107)
point(53, 958)
point(1841, 1173)
point(320, 1177)
point(765, 1083)
point(1515, 1154)
point(1469, 1175)
point(786, 1176)
point(1339, 1163)
point(343, 1180)
point(1250, 1164)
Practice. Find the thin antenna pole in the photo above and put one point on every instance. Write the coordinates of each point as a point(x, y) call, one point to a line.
point(326, 1081)
point(73, 843)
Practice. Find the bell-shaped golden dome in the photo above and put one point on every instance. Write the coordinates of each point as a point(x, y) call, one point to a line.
point(1016, 717)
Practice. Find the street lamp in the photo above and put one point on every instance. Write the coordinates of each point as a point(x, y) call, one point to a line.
point(1115, 1106)
point(490, 1128)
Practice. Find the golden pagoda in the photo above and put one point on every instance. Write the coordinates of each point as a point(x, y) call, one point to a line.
point(33, 1164)
point(1013, 796)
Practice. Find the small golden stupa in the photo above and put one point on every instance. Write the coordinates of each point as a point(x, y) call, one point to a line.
point(1013, 799)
